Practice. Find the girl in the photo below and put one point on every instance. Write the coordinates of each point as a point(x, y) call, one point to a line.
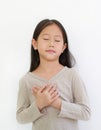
point(51, 95)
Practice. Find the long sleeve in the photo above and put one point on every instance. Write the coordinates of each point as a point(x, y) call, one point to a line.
point(78, 109)
point(26, 112)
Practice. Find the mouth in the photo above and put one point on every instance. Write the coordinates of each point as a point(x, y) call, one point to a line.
point(50, 51)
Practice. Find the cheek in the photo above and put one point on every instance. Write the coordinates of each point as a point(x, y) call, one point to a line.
point(60, 49)
point(41, 47)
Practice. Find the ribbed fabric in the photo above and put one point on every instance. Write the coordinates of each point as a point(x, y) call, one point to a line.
point(75, 103)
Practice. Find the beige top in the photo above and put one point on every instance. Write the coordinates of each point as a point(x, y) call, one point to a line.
point(75, 105)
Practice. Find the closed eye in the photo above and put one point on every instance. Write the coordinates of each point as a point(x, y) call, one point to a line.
point(45, 39)
point(57, 40)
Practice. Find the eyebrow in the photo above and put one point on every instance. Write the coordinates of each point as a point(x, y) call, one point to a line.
point(45, 34)
point(54, 35)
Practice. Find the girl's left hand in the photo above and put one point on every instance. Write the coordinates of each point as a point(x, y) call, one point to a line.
point(56, 104)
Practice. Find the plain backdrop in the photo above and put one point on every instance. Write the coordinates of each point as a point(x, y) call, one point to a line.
point(18, 18)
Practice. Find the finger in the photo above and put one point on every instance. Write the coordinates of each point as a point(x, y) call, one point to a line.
point(52, 90)
point(49, 87)
point(34, 93)
point(54, 94)
point(42, 89)
point(36, 87)
point(55, 97)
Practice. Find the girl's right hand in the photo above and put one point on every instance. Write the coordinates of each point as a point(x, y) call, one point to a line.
point(45, 96)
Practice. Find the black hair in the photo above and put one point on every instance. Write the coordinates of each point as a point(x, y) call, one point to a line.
point(66, 58)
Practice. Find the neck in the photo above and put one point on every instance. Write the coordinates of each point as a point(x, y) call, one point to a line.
point(48, 66)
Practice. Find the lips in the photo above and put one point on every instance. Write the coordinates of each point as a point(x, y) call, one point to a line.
point(50, 51)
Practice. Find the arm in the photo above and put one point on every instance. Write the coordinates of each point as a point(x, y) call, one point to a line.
point(26, 112)
point(79, 109)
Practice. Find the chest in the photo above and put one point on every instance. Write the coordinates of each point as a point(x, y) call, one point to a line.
point(64, 88)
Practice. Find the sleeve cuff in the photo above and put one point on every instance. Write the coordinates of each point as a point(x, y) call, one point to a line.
point(37, 112)
point(62, 111)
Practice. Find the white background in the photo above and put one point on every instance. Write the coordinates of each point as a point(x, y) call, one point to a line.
point(82, 21)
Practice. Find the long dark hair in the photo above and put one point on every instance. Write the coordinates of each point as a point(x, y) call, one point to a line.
point(66, 58)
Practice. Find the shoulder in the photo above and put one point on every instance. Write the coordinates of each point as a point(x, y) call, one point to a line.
point(73, 74)
point(71, 71)
point(23, 79)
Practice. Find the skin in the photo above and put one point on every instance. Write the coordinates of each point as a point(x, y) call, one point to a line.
point(47, 96)
point(50, 45)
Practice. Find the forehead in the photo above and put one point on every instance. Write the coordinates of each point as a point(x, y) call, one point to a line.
point(51, 30)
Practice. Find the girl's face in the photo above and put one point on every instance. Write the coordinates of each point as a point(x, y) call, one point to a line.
point(50, 43)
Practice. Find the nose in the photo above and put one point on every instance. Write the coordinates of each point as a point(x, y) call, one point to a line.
point(51, 43)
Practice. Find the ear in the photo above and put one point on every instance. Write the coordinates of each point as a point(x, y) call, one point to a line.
point(34, 44)
point(64, 47)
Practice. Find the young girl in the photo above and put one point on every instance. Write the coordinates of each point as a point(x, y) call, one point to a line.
point(51, 95)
